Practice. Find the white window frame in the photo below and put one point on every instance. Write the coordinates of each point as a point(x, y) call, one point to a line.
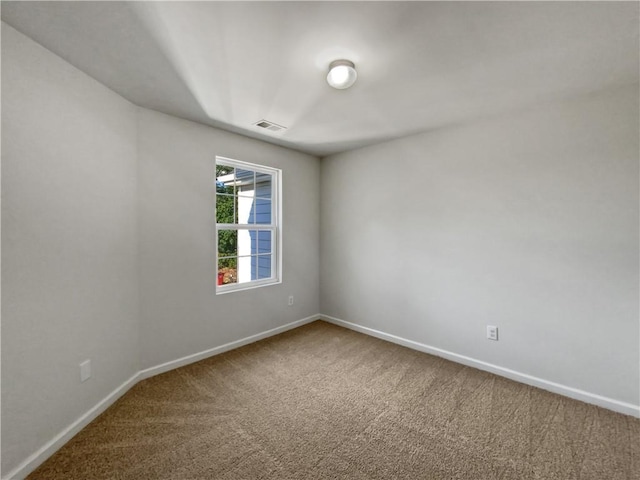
point(275, 226)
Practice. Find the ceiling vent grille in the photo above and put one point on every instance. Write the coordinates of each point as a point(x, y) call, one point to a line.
point(267, 125)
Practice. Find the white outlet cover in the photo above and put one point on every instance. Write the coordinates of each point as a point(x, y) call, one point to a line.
point(492, 332)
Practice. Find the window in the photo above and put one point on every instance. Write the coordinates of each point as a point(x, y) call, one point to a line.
point(247, 225)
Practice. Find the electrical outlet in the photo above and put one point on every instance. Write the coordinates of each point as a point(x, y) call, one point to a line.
point(492, 332)
point(85, 370)
point(290, 300)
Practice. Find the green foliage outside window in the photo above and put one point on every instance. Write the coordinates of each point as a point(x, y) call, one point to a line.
point(227, 239)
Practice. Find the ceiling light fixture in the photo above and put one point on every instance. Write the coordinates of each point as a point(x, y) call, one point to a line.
point(342, 74)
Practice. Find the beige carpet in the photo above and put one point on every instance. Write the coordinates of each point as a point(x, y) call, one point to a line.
point(322, 402)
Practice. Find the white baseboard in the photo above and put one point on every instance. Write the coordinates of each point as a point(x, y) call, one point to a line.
point(196, 357)
point(36, 459)
point(599, 400)
point(53, 445)
point(39, 457)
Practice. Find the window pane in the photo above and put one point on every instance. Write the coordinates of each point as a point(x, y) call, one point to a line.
point(225, 208)
point(246, 211)
point(263, 211)
point(245, 182)
point(244, 269)
point(260, 267)
point(254, 241)
point(225, 179)
point(246, 242)
point(263, 185)
point(228, 243)
point(264, 266)
point(264, 241)
point(227, 271)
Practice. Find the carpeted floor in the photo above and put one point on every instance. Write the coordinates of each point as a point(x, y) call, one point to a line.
point(322, 402)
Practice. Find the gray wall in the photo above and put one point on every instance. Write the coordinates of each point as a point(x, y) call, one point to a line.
point(528, 221)
point(103, 201)
point(69, 273)
point(180, 312)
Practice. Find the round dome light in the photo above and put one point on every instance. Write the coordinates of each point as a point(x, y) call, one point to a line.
point(342, 74)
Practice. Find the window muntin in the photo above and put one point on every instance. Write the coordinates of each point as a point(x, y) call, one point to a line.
point(247, 225)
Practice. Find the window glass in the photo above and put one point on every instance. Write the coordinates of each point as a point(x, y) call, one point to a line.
point(245, 182)
point(246, 224)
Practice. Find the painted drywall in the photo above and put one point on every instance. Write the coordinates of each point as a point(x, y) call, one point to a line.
point(103, 201)
point(180, 311)
point(69, 271)
point(527, 221)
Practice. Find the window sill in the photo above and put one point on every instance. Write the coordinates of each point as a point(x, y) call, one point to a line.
point(239, 287)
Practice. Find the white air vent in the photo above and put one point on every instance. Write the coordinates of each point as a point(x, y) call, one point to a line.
point(267, 125)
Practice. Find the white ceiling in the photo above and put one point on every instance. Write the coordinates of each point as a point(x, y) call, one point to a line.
point(421, 65)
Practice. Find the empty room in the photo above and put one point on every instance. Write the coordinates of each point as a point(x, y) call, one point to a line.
point(320, 240)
